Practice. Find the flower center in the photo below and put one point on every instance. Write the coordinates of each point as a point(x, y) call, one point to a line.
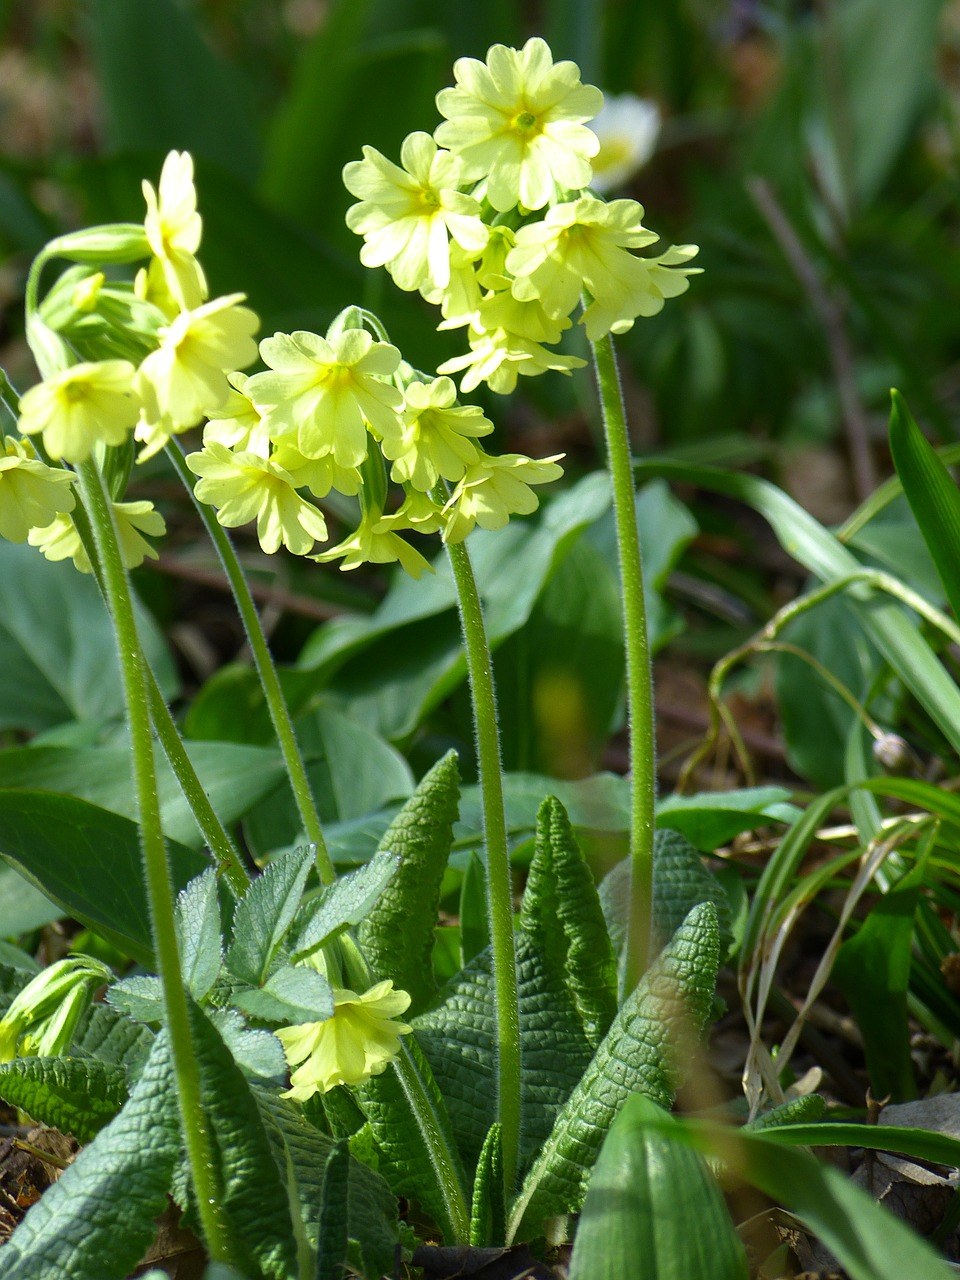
point(428, 199)
point(525, 122)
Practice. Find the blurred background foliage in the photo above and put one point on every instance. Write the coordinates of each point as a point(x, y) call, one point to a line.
point(810, 148)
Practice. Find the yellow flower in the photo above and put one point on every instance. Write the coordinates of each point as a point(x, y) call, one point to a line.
point(495, 489)
point(31, 493)
point(238, 423)
point(498, 357)
point(323, 392)
point(376, 541)
point(173, 230)
point(245, 487)
point(319, 475)
point(434, 437)
point(627, 128)
point(584, 244)
point(185, 377)
point(359, 1041)
point(518, 120)
point(408, 215)
point(79, 406)
point(418, 512)
point(59, 540)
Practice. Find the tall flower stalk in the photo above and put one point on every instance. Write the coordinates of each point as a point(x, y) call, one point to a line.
point(640, 707)
point(160, 890)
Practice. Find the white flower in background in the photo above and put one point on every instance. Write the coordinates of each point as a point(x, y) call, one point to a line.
point(628, 128)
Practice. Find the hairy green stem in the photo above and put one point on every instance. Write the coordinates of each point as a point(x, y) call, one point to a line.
point(269, 679)
point(643, 772)
point(499, 887)
point(160, 889)
point(212, 829)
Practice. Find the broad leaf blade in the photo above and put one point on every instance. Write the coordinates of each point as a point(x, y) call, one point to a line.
point(88, 861)
point(344, 903)
point(397, 934)
point(254, 1197)
point(646, 1050)
point(198, 929)
point(74, 1095)
point(266, 912)
point(932, 494)
point(371, 1209)
point(96, 1221)
point(644, 1194)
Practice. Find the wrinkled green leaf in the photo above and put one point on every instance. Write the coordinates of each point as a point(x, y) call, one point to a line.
point(646, 1050)
point(343, 903)
point(266, 912)
point(396, 934)
point(289, 996)
point(198, 930)
point(74, 1095)
point(96, 1220)
point(254, 1197)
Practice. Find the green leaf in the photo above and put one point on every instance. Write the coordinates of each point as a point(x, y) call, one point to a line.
point(647, 1050)
point(74, 1095)
point(371, 1209)
point(111, 1037)
point(872, 969)
point(291, 995)
point(561, 892)
point(808, 1107)
point(265, 913)
point(870, 1243)
point(416, 1150)
point(680, 882)
point(396, 935)
point(88, 861)
point(333, 1239)
point(932, 494)
point(234, 777)
point(198, 929)
point(487, 1219)
point(713, 818)
point(96, 1221)
point(22, 906)
point(343, 903)
point(458, 1039)
point(645, 1192)
point(254, 1197)
point(474, 916)
point(163, 88)
point(51, 674)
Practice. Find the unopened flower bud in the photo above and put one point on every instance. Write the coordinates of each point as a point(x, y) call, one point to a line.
point(116, 242)
point(43, 1018)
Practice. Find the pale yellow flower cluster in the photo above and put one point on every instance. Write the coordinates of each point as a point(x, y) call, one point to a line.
point(327, 410)
point(499, 228)
point(184, 344)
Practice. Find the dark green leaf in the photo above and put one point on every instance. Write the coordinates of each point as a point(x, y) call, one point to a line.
point(51, 674)
point(647, 1050)
point(96, 1221)
point(74, 1095)
point(88, 861)
point(163, 87)
point(254, 1197)
point(487, 1210)
point(397, 932)
point(371, 1209)
point(333, 1240)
